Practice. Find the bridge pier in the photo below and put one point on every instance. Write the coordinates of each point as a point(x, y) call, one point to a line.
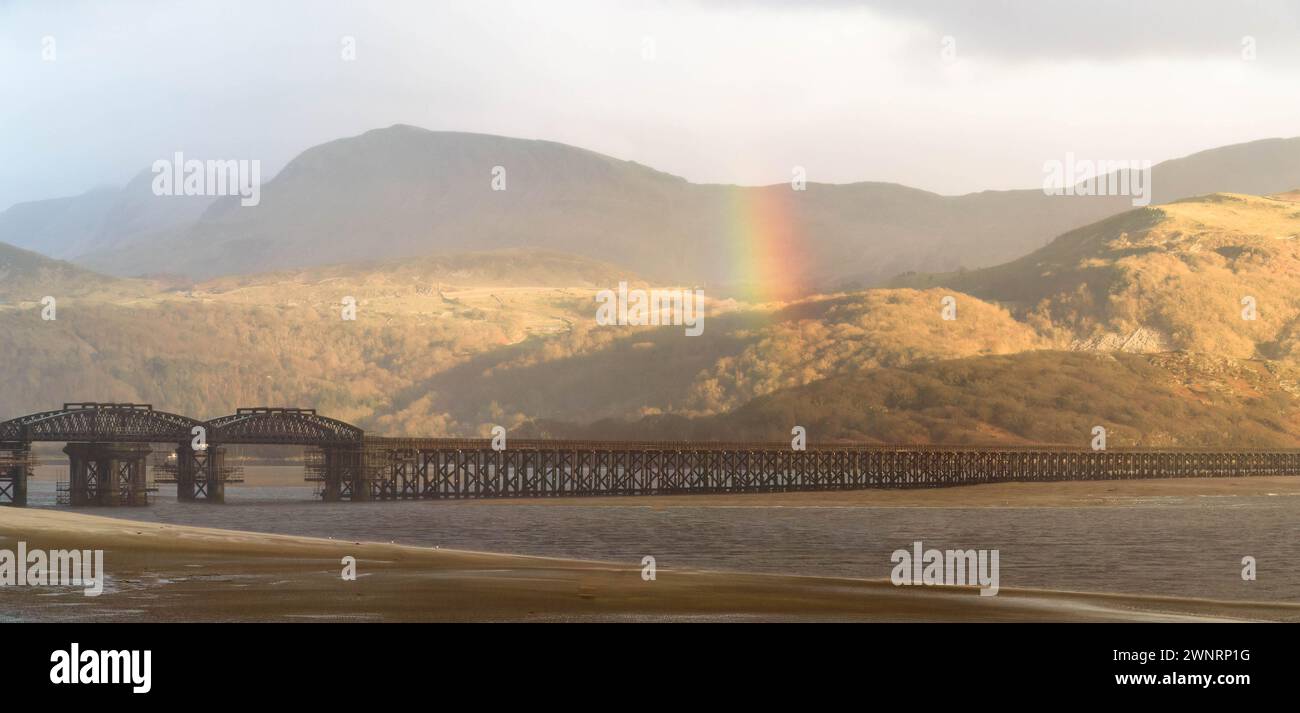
point(15, 468)
point(107, 473)
point(200, 473)
point(343, 476)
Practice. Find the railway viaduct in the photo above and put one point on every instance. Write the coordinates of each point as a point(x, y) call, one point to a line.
point(107, 445)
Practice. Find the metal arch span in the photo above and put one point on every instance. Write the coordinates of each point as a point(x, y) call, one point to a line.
point(282, 426)
point(94, 422)
point(100, 422)
point(108, 442)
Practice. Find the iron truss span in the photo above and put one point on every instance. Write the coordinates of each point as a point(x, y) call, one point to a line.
point(99, 422)
point(282, 426)
point(109, 443)
point(91, 422)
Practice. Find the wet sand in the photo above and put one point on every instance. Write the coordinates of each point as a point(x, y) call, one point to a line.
point(180, 573)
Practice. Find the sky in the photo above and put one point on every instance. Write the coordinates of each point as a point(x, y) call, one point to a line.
point(945, 95)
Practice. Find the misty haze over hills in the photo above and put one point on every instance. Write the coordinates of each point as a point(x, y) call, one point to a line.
point(404, 192)
point(98, 220)
point(476, 305)
point(1134, 321)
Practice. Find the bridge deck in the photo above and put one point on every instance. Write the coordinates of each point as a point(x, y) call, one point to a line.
point(387, 468)
point(352, 465)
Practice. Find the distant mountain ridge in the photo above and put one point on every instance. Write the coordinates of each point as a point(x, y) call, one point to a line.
point(26, 276)
point(403, 191)
point(102, 219)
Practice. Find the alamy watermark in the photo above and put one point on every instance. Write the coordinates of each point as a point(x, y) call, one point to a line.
point(1075, 177)
point(946, 567)
point(91, 666)
point(948, 308)
point(640, 308)
point(1249, 308)
point(53, 568)
point(179, 176)
point(1098, 438)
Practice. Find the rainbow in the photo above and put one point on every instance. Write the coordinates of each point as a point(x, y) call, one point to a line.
point(765, 248)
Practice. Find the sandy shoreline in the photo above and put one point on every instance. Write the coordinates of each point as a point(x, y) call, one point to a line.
point(180, 573)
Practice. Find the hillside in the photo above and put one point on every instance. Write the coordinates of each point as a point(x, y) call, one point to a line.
point(591, 372)
point(27, 277)
point(1159, 279)
point(499, 268)
point(447, 345)
point(404, 191)
point(280, 338)
point(1167, 282)
point(1041, 349)
point(1045, 397)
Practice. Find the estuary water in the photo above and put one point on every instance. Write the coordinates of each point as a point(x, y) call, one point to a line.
point(1175, 546)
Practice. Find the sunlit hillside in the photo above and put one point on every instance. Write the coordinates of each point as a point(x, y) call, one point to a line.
point(1046, 397)
point(27, 277)
point(278, 339)
point(600, 372)
point(449, 345)
point(1184, 276)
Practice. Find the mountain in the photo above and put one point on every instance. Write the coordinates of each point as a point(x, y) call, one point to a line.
point(99, 220)
point(26, 276)
point(447, 344)
point(456, 349)
point(137, 215)
point(404, 191)
point(1215, 274)
point(58, 227)
point(1203, 288)
point(1039, 351)
point(1256, 168)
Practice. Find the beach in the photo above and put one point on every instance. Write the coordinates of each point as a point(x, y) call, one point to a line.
point(170, 572)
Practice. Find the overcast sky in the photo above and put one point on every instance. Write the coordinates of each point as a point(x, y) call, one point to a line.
point(734, 91)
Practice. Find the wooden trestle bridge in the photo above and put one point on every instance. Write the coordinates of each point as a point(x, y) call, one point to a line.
point(107, 446)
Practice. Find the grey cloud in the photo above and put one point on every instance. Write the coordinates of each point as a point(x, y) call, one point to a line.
point(1096, 29)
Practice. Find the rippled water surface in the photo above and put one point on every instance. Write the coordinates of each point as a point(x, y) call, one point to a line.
point(1169, 546)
